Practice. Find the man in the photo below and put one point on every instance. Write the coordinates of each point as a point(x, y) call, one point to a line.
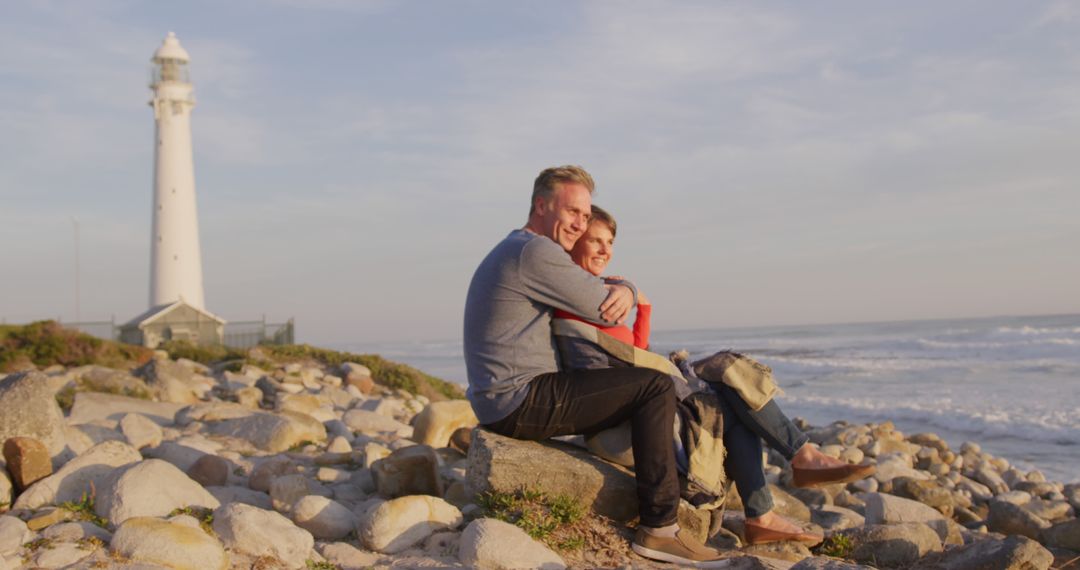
point(515, 385)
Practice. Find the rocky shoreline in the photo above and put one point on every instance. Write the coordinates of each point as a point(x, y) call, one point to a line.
point(174, 464)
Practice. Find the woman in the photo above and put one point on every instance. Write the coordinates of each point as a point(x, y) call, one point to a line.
point(744, 428)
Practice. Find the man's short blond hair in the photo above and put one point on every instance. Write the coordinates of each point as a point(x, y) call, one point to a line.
point(551, 178)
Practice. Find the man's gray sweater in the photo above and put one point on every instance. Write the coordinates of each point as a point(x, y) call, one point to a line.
point(508, 318)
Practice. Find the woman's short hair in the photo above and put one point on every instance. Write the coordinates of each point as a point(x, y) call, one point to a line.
point(550, 178)
point(601, 215)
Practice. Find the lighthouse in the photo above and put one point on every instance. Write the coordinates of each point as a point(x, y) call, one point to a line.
point(175, 259)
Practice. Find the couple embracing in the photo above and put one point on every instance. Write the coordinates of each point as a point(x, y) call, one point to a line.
point(520, 387)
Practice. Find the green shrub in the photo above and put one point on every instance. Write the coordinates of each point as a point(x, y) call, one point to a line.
point(45, 343)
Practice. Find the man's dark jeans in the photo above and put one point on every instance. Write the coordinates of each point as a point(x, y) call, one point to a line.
point(586, 401)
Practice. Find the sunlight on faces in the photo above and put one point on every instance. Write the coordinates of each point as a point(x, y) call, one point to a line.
point(565, 216)
point(593, 250)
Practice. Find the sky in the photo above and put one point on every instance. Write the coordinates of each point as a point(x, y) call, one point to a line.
point(769, 163)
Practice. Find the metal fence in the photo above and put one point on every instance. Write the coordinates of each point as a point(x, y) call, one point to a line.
point(237, 334)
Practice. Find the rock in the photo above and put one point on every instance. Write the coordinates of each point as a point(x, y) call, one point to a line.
point(91, 406)
point(788, 550)
point(300, 403)
point(339, 445)
point(359, 376)
point(826, 563)
point(331, 475)
point(257, 532)
point(48, 517)
point(397, 524)
point(1008, 518)
point(249, 397)
point(347, 557)
point(372, 423)
point(1049, 510)
point(929, 493)
point(28, 461)
point(146, 539)
point(324, 518)
point(374, 452)
point(987, 476)
point(170, 381)
point(1012, 553)
point(288, 489)
point(786, 504)
point(896, 466)
point(13, 534)
point(408, 471)
point(151, 488)
point(461, 439)
point(977, 490)
point(1015, 497)
point(209, 470)
point(496, 545)
point(6, 489)
point(30, 410)
point(271, 432)
point(78, 476)
point(265, 473)
point(900, 544)
point(882, 508)
point(438, 421)
point(502, 464)
point(140, 431)
point(832, 518)
point(226, 495)
point(62, 555)
point(75, 531)
point(1063, 535)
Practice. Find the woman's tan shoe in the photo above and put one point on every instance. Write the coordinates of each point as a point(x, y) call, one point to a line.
point(804, 477)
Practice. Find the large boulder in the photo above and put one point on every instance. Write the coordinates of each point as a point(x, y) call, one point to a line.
point(882, 508)
point(505, 465)
point(395, 525)
point(91, 407)
point(1008, 518)
point(30, 410)
point(893, 545)
point(78, 476)
point(257, 532)
point(496, 545)
point(438, 421)
point(170, 544)
point(1011, 553)
point(271, 432)
point(1063, 535)
point(151, 488)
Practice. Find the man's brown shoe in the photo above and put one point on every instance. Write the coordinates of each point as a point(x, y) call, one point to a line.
point(682, 549)
point(802, 477)
point(756, 534)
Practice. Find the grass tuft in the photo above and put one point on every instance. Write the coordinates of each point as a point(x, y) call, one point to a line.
point(83, 509)
point(837, 546)
point(551, 520)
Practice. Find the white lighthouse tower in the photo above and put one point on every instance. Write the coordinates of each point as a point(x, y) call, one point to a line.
point(175, 259)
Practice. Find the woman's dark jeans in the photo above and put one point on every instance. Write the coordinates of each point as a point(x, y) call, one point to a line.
point(586, 401)
point(744, 428)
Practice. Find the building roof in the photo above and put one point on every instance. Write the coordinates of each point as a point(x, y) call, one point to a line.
point(154, 313)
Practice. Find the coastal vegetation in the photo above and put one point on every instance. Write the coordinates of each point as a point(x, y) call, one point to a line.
point(46, 343)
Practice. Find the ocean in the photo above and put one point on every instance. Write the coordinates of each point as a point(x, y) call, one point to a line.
point(1010, 384)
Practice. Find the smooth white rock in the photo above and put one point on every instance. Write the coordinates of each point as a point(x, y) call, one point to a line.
point(152, 488)
point(492, 544)
point(324, 518)
point(258, 532)
point(13, 534)
point(178, 546)
point(395, 525)
point(140, 431)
